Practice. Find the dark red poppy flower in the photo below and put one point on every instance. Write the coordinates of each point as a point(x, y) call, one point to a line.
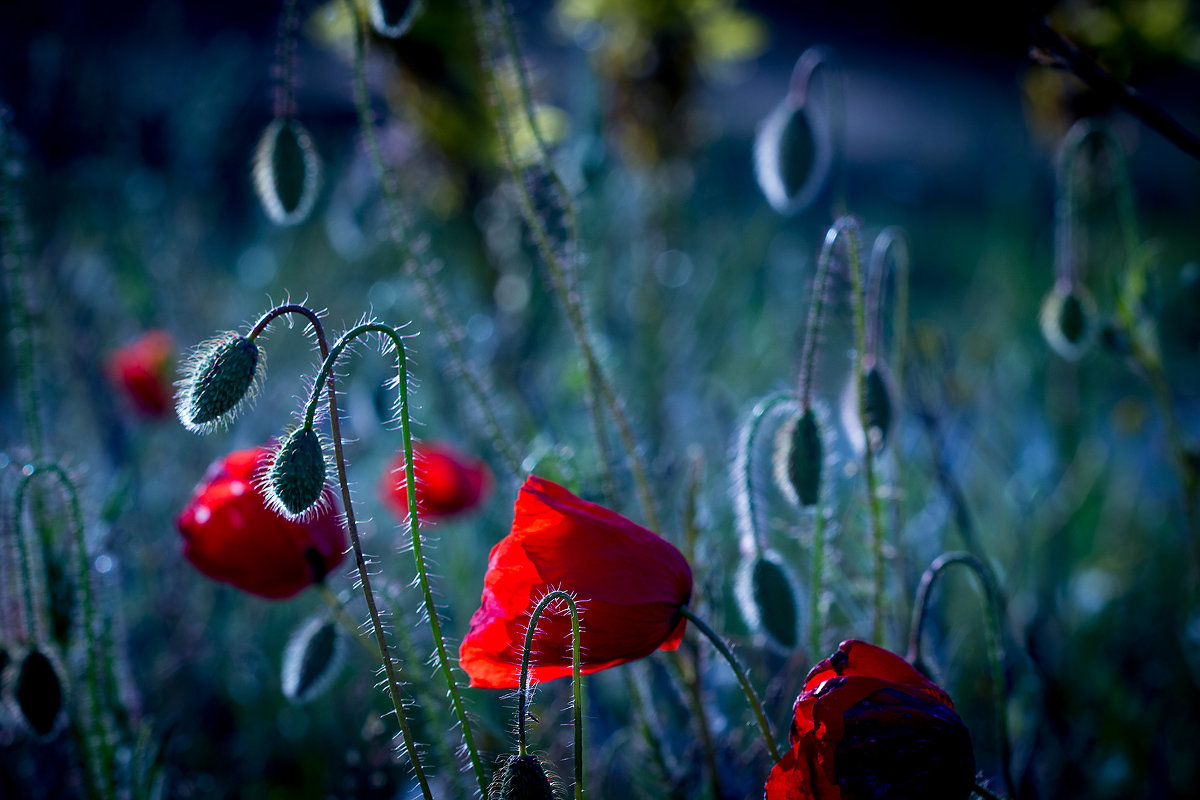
point(142, 371)
point(629, 583)
point(448, 482)
point(868, 726)
point(231, 535)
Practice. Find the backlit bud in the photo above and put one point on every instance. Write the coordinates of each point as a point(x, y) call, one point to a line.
point(220, 376)
point(296, 478)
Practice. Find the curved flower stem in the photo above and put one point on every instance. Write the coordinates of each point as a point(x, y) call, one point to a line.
point(435, 625)
point(751, 536)
point(559, 268)
point(995, 647)
point(327, 380)
point(97, 737)
point(417, 266)
point(849, 226)
point(576, 680)
point(740, 674)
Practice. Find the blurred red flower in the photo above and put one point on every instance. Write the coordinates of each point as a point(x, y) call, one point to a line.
point(630, 584)
point(142, 371)
point(448, 482)
point(868, 726)
point(231, 535)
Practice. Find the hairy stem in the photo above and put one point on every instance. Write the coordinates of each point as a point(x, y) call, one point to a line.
point(751, 536)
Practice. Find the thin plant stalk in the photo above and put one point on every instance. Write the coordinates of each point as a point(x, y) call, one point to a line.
point(352, 527)
point(751, 536)
point(415, 263)
point(740, 673)
point(817, 579)
point(435, 626)
point(576, 680)
point(819, 60)
point(993, 602)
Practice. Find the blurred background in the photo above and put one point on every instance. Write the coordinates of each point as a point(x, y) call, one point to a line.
point(132, 128)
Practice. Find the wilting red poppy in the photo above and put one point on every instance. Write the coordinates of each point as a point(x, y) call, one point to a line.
point(448, 482)
point(868, 726)
point(142, 371)
point(629, 583)
point(231, 535)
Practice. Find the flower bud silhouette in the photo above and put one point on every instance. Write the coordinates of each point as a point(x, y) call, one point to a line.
point(222, 375)
point(295, 481)
point(521, 778)
point(287, 171)
point(868, 726)
point(231, 535)
point(630, 584)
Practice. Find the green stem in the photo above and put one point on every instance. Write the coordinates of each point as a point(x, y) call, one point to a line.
point(435, 625)
point(97, 737)
point(993, 602)
point(740, 674)
point(417, 266)
point(576, 680)
point(817, 582)
point(752, 537)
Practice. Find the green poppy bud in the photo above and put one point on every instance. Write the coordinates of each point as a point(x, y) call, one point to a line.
point(766, 594)
point(521, 778)
point(222, 374)
point(312, 660)
point(296, 478)
point(287, 171)
point(1068, 320)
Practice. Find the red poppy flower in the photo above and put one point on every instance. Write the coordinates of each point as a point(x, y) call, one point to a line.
point(448, 482)
point(142, 371)
point(231, 535)
point(629, 582)
point(868, 726)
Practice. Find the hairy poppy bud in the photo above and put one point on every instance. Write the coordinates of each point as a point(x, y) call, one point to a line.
point(296, 479)
point(287, 171)
point(766, 594)
point(38, 691)
point(312, 659)
point(221, 375)
point(800, 457)
point(1068, 320)
point(393, 18)
point(878, 409)
point(792, 156)
point(521, 778)
point(868, 726)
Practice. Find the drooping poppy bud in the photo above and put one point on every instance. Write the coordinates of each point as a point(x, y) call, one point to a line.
point(801, 459)
point(521, 778)
point(766, 594)
point(287, 171)
point(312, 659)
point(879, 409)
point(142, 371)
point(1068, 320)
point(393, 18)
point(295, 481)
point(448, 482)
point(38, 693)
point(868, 726)
point(221, 376)
point(630, 584)
point(231, 534)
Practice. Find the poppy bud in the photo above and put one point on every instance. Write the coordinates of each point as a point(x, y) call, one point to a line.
point(38, 693)
point(801, 457)
point(792, 156)
point(220, 376)
point(393, 18)
point(296, 478)
point(766, 594)
point(521, 778)
point(878, 409)
point(287, 171)
point(868, 726)
point(1068, 320)
point(312, 659)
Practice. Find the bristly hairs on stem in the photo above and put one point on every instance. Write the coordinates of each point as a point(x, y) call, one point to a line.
point(993, 602)
point(283, 89)
point(497, 44)
point(416, 263)
point(752, 534)
point(523, 693)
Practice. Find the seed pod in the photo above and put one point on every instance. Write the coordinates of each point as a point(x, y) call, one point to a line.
point(878, 409)
point(38, 693)
point(792, 156)
point(222, 375)
point(766, 594)
point(287, 171)
point(1068, 320)
point(296, 478)
point(800, 457)
point(521, 778)
point(312, 660)
point(393, 18)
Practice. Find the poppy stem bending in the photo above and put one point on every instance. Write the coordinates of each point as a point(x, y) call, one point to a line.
point(740, 674)
point(99, 736)
point(416, 264)
point(576, 680)
point(751, 535)
point(435, 625)
point(327, 379)
point(993, 601)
